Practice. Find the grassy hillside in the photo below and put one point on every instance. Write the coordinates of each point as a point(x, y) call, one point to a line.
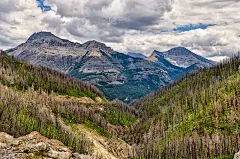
point(39, 99)
point(197, 117)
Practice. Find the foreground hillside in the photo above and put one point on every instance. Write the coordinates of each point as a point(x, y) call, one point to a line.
point(62, 108)
point(197, 117)
point(118, 75)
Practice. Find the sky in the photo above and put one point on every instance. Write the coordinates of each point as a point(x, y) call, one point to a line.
point(210, 28)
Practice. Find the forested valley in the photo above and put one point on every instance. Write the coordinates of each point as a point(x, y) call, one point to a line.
point(195, 117)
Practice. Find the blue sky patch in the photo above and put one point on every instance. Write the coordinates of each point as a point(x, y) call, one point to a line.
point(164, 31)
point(43, 6)
point(184, 28)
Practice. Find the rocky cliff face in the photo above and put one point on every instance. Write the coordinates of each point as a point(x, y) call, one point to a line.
point(117, 75)
point(35, 145)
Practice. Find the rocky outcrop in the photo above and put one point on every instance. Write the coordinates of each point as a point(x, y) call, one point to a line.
point(237, 155)
point(35, 145)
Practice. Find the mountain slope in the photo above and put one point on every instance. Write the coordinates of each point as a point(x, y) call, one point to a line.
point(136, 55)
point(118, 75)
point(196, 117)
point(24, 75)
point(121, 76)
point(32, 99)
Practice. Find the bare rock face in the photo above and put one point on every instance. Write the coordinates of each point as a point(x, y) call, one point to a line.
point(35, 145)
point(237, 155)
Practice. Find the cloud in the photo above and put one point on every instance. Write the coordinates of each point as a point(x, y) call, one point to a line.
point(128, 25)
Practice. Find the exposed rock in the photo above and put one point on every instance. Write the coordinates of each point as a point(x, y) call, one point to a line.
point(237, 155)
point(80, 156)
point(57, 154)
point(98, 99)
point(85, 100)
point(5, 138)
point(103, 147)
point(35, 145)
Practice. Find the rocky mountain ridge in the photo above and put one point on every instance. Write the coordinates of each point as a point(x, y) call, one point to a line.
point(183, 57)
point(118, 75)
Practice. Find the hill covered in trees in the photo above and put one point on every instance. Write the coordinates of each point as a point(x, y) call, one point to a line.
point(22, 75)
point(40, 99)
point(195, 117)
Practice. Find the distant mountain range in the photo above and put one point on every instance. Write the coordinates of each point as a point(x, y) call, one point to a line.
point(119, 76)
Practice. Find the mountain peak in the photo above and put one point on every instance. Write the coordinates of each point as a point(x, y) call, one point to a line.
point(179, 47)
point(180, 50)
point(152, 57)
point(40, 34)
point(50, 39)
point(155, 53)
point(93, 44)
point(182, 57)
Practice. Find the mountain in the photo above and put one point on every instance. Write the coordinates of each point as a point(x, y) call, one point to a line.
point(182, 57)
point(118, 75)
point(137, 55)
point(46, 49)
